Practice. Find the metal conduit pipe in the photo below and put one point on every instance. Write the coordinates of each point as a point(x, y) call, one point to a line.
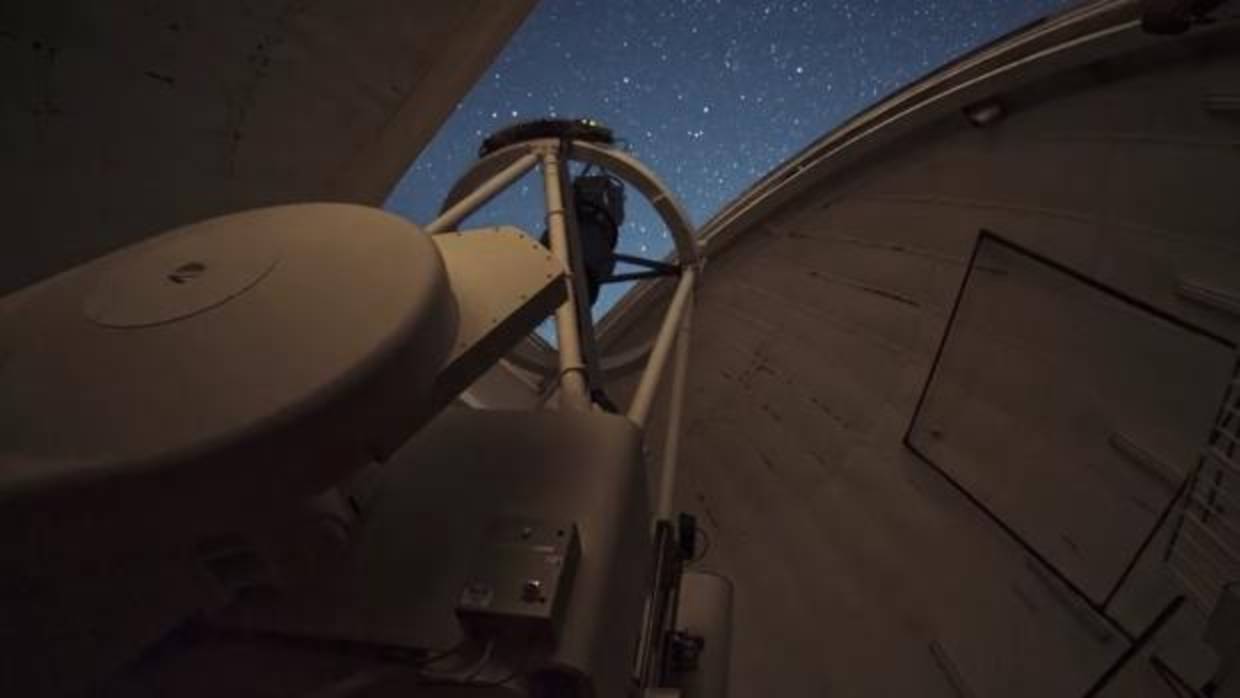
point(639, 411)
point(448, 219)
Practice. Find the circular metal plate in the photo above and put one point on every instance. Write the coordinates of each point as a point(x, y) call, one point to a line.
point(176, 277)
point(218, 368)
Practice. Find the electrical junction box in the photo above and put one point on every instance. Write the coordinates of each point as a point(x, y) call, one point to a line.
point(519, 583)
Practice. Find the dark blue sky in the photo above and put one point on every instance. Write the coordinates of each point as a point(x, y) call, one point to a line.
point(710, 94)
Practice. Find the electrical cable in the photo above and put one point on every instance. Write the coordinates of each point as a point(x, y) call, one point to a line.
point(487, 652)
point(357, 682)
point(473, 675)
point(515, 674)
point(464, 674)
point(434, 657)
point(705, 544)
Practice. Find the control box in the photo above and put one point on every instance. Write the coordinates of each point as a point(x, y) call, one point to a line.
point(520, 579)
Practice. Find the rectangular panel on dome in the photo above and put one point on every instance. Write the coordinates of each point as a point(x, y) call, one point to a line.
point(1067, 411)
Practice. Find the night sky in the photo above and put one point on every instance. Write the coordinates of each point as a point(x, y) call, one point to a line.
point(710, 94)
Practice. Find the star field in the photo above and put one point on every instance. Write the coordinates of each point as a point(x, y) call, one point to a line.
point(710, 94)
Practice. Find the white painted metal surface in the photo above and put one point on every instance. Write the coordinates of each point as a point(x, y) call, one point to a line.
point(504, 283)
point(574, 392)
